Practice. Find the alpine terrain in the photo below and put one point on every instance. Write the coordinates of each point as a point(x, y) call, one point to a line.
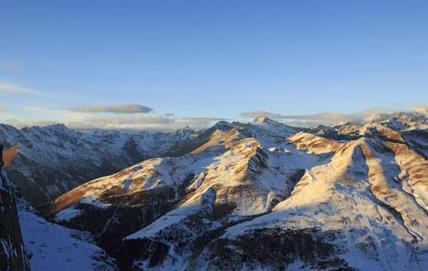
point(237, 196)
point(54, 159)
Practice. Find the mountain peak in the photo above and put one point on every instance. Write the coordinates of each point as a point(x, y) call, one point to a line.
point(336, 189)
point(262, 119)
point(422, 109)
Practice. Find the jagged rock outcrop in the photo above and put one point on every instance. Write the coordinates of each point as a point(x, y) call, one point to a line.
point(13, 254)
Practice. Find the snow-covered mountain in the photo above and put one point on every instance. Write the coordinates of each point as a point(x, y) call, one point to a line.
point(54, 247)
point(54, 159)
point(29, 242)
point(266, 196)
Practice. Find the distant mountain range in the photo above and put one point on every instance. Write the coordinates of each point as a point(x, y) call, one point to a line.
point(54, 159)
point(237, 196)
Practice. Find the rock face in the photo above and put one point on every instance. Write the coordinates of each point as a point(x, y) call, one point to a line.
point(266, 196)
point(54, 159)
point(12, 251)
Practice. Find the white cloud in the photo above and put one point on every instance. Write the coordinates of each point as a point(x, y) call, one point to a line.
point(142, 121)
point(21, 122)
point(83, 120)
point(195, 122)
point(335, 117)
point(259, 113)
point(30, 116)
point(128, 121)
point(119, 108)
point(17, 89)
point(325, 117)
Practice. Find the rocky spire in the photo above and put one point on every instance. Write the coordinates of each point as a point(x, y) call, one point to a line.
point(1, 155)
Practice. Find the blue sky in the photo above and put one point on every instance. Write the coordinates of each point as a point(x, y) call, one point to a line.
point(212, 59)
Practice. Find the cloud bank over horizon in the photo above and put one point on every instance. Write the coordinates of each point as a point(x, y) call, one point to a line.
point(139, 117)
point(119, 108)
point(121, 116)
point(334, 117)
point(7, 87)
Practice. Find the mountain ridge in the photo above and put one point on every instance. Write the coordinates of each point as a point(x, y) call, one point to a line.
point(254, 183)
point(238, 196)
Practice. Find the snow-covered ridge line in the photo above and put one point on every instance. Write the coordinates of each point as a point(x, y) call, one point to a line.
point(264, 195)
point(54, 159)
